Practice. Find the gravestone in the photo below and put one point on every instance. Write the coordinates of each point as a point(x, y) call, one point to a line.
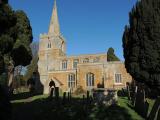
point(56, 93)
point(154, 110)
point(88, 98)
point(146, 109)
point(140, 102)
point(64, 98)
point(128, 92)
point(84, 99)
point(133, 95)
point(69, 96)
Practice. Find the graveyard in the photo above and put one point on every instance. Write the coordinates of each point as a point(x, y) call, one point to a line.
point(31, 107)
point(43, 82)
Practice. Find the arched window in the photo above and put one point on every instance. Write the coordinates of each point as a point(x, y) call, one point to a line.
point(90, 79)
point(86, 60)
point(71, 81)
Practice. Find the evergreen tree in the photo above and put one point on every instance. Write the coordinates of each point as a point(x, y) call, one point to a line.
point(111, 55)
point(15, 37)
point(141, 43)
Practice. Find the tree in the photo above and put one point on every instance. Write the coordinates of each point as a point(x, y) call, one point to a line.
point(15, 37)
point(111, 56)
point(31, 68)
point(141, 43)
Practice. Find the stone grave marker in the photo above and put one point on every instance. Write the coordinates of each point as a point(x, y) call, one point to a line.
point(88, 97)
point(56, 93)
point(134, 94)
point(140, 102)
point(64, 98)
point(146, 109)
point(83, 100)
point(128, 92)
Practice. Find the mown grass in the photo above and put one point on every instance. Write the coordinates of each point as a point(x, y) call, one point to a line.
point(123, 102)
point(39, 107)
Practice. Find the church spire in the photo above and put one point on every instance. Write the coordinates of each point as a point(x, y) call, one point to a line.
point(54, 23)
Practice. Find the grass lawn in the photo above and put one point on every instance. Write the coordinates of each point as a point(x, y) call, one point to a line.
point(41, 108)
point(123, 102)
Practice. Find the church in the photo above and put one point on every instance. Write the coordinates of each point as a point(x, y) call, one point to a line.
point(87, 71)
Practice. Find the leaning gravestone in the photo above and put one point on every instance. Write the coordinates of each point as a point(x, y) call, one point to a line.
point(154, 110)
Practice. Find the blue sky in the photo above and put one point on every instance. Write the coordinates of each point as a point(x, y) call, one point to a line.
point(89, 26)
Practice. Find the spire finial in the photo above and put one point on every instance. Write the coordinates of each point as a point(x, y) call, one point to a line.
point(54, 23)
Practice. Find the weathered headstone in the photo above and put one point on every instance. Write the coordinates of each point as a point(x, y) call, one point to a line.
point(154, 110)
point(134, 94)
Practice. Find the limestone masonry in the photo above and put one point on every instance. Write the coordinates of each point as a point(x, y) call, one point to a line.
point(70, 72)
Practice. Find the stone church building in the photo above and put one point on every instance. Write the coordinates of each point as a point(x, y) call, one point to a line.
point(69, 72)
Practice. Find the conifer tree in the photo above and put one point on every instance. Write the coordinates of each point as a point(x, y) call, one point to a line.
point(141, 43)
point(111, 55)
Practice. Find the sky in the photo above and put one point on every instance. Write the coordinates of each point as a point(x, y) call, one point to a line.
point(89, 26)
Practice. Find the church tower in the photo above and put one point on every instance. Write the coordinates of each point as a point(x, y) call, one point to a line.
point(52, 46)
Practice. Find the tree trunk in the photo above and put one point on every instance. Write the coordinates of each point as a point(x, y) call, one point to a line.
point(10, 76)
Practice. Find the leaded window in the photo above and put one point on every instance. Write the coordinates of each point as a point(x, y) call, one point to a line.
point(90, 79)
point(71, 81)
point(118, 78)
point(64, 64)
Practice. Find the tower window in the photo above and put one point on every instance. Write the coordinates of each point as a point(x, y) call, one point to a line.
point(90, 79)
point(49, 44)
point(64, 64)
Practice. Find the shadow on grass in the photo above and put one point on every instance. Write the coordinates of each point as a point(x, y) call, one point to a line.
point(46, 109)
point(76, 109)
point(23, 95)
point(113, 112)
